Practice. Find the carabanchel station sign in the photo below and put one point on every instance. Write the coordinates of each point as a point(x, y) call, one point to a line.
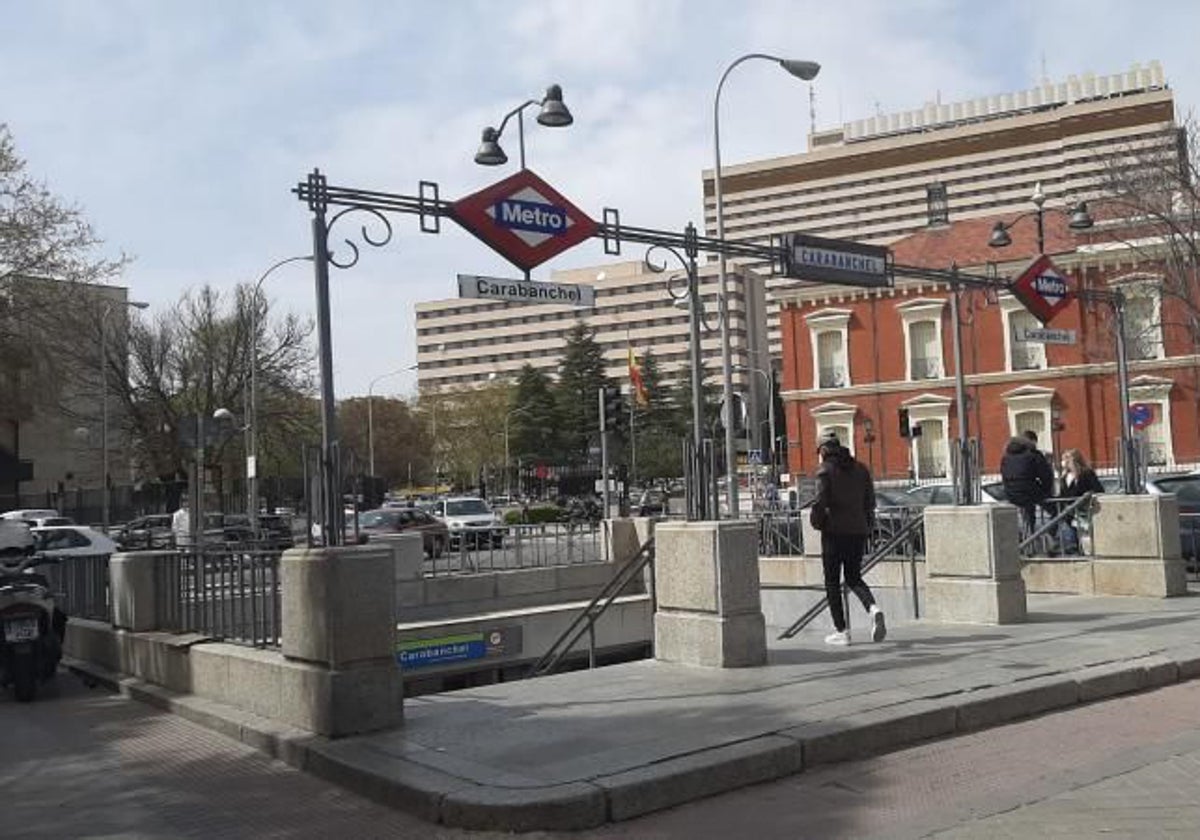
point(526, 291)
point(836, 261)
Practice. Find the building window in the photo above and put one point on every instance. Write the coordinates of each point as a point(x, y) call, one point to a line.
point(829, 329)
point(935, 199)
point(1150, 411)
point(923, 337)
point(837, 419)
point(930, 450)
point(1021, 354)
point(1143, 326)
point(1030, 409)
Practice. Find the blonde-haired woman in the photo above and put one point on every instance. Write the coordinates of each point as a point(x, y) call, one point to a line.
point(1077, 478)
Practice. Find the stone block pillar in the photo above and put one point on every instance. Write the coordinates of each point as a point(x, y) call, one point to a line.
point(709, 606)
point(973, 572)
point(1136, 541)
point(339, 618)
point(810, 537)
point(133, 583)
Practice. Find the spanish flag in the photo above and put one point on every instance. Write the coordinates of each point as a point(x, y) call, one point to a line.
point(638, 388)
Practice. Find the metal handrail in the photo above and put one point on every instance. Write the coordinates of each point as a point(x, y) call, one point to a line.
point(890, 545)
point(1058, 518)
point(585, 621)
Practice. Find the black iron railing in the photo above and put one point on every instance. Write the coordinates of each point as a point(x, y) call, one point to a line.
point(509, 547)
point(227, 593)
point(80, 586)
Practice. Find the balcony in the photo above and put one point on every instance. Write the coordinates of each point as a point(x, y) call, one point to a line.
point(925, 368)
point(833, 376)
point(1026, 357)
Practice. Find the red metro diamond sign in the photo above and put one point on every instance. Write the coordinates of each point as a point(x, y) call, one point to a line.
point(1042, 289)
point(523, 219)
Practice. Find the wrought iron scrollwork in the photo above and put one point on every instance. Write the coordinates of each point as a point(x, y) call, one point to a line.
point(672, 280)
point(364, 232)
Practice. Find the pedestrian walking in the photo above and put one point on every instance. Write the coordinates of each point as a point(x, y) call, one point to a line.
point(1078, 478)
point(844, 512)
point(1028, 478)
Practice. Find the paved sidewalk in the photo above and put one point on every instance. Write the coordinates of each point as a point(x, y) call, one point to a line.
point(577, 749)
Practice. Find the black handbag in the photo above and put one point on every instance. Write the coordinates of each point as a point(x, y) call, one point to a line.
point(818, 516)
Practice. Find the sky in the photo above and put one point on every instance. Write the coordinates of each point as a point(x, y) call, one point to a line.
point(179, 128)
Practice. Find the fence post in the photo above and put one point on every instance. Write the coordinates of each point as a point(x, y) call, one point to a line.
point(134, 582)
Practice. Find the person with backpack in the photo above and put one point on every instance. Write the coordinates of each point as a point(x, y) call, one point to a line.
point(844, 512)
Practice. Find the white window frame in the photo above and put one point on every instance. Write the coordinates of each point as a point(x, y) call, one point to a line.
point(831, 414)
point(929, 407)
point(829, 320)
point(1156, 391)
point(1009, 305)
point(1145, 286)
point(1032, 399)
point(916, 311)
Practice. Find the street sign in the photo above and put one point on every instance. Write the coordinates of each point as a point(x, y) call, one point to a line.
point(526, 291)
point(1141, 415)
point(755, 457)
point(523, 219)
point(1048, 336)
point(1042, 289)
point(836, 261)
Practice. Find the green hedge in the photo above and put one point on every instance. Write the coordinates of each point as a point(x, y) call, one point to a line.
point(534, 516)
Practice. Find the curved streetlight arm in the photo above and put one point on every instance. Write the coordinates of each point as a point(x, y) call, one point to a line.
point(513, 112)
point(371, 414)
point(252, 419)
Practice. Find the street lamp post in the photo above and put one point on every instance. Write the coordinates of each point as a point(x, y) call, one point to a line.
point(507, 471)
point(553, 114)
point(104, 479)
point(371, 414)
point(806, 70)
point(252, 420)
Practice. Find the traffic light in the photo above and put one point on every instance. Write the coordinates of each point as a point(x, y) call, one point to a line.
point(614, 408)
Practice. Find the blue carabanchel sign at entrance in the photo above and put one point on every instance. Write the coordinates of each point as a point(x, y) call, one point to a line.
point(836, 261)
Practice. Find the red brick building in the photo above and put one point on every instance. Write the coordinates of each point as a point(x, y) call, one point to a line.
point(854, 358)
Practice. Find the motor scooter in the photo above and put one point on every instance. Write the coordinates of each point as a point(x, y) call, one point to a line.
point(31, 628)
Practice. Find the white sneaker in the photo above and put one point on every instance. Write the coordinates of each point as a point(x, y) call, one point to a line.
point(838, 637)
point(878, 627)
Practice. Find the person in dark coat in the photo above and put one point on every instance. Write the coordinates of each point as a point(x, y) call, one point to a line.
point(1028, 479)
point(845, 510)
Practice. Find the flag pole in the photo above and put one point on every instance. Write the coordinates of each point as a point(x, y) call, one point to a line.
point(633, 398)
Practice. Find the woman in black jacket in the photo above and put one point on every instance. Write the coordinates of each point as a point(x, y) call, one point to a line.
point(1077, 478)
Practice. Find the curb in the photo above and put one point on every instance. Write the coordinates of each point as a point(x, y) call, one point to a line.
point(439, 797)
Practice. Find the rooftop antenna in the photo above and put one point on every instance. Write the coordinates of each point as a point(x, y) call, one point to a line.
point(812, 108)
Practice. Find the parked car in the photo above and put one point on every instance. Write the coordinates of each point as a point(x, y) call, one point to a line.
point(71, 541)
point(942, 493)
point(37, 517)
point(151, 531)
point(394, 520)
point(470, 521)
point(1187, 491)
point(276, 531)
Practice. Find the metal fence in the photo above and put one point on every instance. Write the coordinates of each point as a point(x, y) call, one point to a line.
point(1062, 529)
point(80, 585)
point(228, 594)
point(780, 533)
point(520, 547)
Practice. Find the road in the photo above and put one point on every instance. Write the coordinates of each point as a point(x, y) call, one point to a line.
point(87, 763)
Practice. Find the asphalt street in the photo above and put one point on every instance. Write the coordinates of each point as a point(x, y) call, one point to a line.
point(83, 762)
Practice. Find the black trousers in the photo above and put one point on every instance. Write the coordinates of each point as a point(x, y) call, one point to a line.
point(842, 554)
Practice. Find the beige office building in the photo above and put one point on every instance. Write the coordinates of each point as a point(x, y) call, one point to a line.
point(467, 341)
point(878, 179)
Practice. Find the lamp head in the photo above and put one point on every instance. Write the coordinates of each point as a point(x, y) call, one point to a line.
point(223, 414)
point(1038, 197)
point(806, 70)
point(138, 304)
point(490, 153)
point(1080, 218)
point(999, 237)
point(554, 113)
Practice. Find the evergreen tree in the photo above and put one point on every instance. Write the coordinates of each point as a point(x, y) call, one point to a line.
point(658, 439)
point(533, 424)
point(581, 376)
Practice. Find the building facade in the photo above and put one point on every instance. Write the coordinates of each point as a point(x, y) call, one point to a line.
point(463, 342)
point(856, 361)
point(880, 179)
